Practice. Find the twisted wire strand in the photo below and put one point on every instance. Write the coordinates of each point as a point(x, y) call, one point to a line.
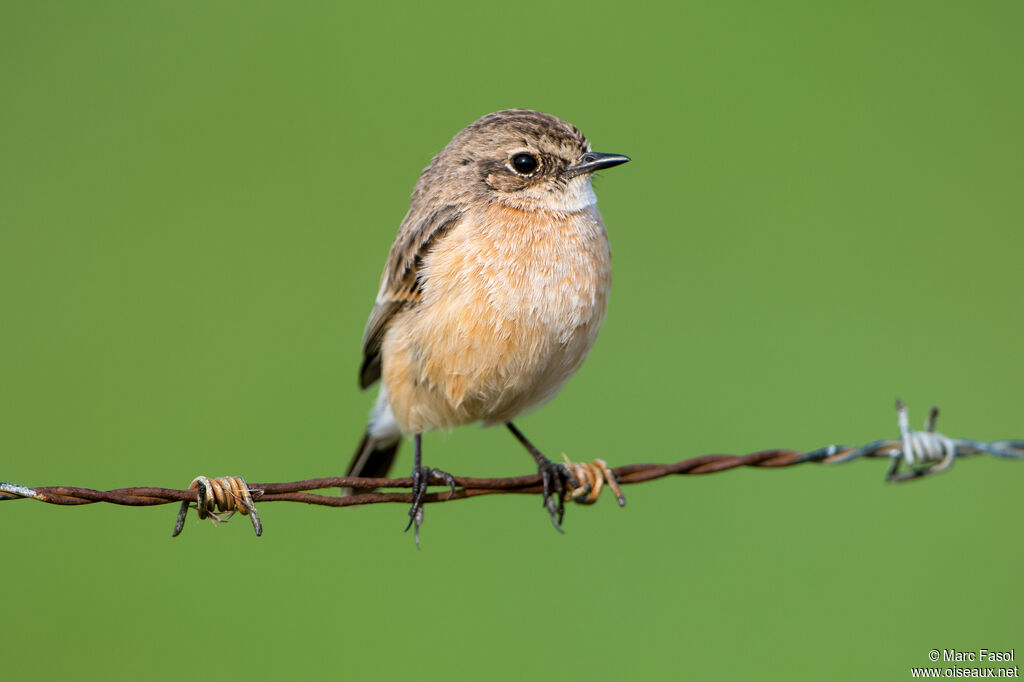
point(295, 491)
point(921, 453)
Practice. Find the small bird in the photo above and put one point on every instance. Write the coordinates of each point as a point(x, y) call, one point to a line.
point(492, 294)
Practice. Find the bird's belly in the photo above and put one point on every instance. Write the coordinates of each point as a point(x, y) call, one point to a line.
point(497, 335)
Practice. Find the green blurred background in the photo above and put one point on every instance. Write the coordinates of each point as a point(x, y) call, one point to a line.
point(823, 213)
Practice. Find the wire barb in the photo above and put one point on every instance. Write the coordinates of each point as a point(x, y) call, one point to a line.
point(218, 500)
point(924, 452)
point(592, 477)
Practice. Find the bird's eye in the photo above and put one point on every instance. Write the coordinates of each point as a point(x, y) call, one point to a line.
point(524, 164)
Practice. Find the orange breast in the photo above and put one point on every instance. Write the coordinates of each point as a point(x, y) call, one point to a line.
point(512, 302)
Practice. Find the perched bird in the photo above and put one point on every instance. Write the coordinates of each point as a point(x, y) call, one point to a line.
point(492, 294)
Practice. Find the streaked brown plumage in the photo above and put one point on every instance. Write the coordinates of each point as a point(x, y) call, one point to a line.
point(495, 287)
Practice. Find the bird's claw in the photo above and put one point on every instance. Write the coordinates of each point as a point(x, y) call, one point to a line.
point(421, 477)
point(557, 481)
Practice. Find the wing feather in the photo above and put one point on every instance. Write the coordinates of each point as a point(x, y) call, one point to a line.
point(401, 285)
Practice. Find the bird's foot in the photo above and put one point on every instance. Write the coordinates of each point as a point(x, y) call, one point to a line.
point(557, 481)
point(420, 482)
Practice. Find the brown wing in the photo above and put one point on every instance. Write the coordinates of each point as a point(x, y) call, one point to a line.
point(402, 284)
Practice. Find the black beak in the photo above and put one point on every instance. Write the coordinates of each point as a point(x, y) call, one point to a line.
point(593, 161)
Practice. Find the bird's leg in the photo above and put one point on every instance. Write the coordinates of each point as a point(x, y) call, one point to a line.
point(555, 476)
point(420, 481)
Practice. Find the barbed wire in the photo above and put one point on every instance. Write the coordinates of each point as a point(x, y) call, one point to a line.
point(919, 453)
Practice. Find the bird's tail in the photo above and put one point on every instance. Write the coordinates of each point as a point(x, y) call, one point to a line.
point(374, 456)
point(379, 446)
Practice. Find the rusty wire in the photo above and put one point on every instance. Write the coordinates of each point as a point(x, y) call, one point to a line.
point(923, 453)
